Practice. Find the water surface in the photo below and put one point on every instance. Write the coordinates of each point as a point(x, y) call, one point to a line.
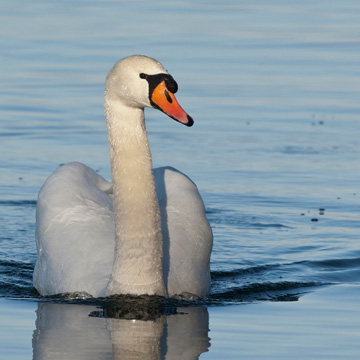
point(274, 89)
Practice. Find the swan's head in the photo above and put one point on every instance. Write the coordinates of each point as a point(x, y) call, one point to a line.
point(140, 81)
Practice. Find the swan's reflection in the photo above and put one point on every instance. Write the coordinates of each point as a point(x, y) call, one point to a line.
point(66, 331)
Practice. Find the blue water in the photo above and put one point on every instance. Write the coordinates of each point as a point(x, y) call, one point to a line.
point(274, 89)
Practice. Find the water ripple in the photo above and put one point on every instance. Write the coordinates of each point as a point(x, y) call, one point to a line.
point(18, 203)
point(249, 285)
point(268, 291)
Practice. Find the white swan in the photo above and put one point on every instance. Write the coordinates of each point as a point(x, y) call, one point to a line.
point(147, 232)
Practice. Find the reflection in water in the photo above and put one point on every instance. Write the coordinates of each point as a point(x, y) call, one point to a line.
point(66, 331)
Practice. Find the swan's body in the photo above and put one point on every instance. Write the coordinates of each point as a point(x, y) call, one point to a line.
point(147, 232)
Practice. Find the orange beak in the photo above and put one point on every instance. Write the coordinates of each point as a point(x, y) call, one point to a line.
point(165, 100)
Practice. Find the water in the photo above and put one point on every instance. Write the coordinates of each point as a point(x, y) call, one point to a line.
point(274, 90)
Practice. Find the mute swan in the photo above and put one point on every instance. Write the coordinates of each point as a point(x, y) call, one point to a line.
point(147, 232)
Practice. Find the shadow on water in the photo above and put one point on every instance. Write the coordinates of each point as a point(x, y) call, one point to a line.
point(138, 327)
point(142, 327)
point(121, 328)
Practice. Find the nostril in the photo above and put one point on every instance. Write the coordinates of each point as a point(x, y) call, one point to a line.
point(168, 97)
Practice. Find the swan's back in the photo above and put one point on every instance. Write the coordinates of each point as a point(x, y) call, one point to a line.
point(75, 233)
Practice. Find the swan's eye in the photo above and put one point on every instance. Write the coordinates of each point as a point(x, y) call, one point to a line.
point(143, 76)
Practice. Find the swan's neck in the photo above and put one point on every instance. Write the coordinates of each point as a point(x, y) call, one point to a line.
point(137, 265)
